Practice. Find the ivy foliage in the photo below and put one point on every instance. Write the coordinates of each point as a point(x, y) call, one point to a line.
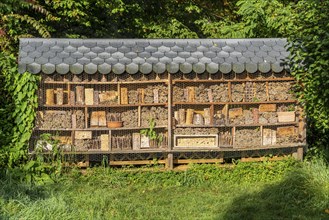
point(17, 111)
point(310, 66)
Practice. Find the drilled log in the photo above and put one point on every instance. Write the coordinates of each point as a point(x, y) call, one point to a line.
point(79, 91)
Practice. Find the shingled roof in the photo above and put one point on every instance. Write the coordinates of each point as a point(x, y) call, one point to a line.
point(38, 55)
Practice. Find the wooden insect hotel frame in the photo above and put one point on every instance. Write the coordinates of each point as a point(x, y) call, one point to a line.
point(172, 100)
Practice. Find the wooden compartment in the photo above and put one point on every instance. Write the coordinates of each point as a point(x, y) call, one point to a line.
point(191, 141)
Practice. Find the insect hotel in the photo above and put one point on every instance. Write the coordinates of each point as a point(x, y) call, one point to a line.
point(170, 101)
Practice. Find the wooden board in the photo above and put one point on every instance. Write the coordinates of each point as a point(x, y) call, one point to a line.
point(191, 94)
point(286, 131)
point(234, 112)
point(89, 96)
point(105, 142)
point(187, 141)
point(267, 108)
point(141, 95)
point(136, 141)
point(269, 136)
point(109, 96)
point(81, 135)
point(72, 98)
point(286, 116)
point(94, 119)
point(79, 92)
point(59, 96)
point(101, 118)
point(145, 142)
point(156, 95)
point(123, 96)
point(50, 97)
point(189, 116)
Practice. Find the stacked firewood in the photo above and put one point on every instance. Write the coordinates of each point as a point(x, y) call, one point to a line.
point(121, 142)
point(54, 119)
point(219, 92)
point(278, 91)
point(130, 118)
point(158, 114)
point(237, 92)
point(80, 117)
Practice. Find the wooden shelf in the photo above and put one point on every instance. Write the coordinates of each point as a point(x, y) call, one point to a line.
point(103, 105)
point(235, 103)
point(238, 125)
point(96, 129)
point(106, 83)
point(232, 80)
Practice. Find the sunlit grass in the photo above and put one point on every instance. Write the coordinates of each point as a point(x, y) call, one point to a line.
point(270, 190)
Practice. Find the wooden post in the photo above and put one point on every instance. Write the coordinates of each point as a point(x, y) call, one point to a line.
point(229, 85)
point(170, 161)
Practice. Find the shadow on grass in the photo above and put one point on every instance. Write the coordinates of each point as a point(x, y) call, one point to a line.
point(292, 198)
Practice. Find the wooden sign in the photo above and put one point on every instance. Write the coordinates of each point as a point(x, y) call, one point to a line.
point(105, 142)
point(267, 108)
point(123, 96)
point(235, 112)
point(89, 96)
point(50, 97)
point(82, 135)
point(286, 131)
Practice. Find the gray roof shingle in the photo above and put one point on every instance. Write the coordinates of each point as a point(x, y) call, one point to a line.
point(146, 55)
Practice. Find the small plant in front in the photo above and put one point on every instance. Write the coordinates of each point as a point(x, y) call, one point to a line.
point(151, 133)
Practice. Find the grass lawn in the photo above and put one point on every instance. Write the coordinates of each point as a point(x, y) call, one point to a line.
point(269, 190)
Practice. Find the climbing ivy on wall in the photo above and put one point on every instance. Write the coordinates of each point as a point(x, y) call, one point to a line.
point(17, 111)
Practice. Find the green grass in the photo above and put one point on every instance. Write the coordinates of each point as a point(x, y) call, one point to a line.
point(269, 190)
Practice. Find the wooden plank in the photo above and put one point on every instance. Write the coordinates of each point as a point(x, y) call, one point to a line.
point(81, 135)
point(89, 96)
point(79, 92)
point(50, 97)
point(269, 136)
point(145, 142)
point(191, 94)
point(59, 96)
point(124, 96)
point(94, 119)
point(286, 131)
point(156, 95)
point(141, 95)
point(136, 162)
point(74, 120)
point(182, 116)
point(105, 142)
point(286, 116)
point(186, 141)
point(72, 98)
point(260, 159)
point(267, 108)
point(136, 141)
point(186, 161)
point(189, 116)
point(234, 112)
point(102, 119)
